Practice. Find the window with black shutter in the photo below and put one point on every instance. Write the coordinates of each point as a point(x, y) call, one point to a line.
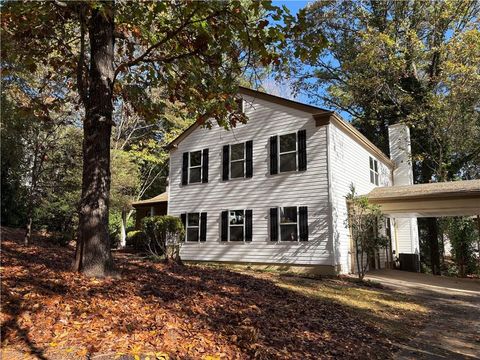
point(302, 150)
point(248, 225)
point(249, 159)
point(205, 166)
point(226, 163)
point(193, 227)
point(237, 161)
point(274, 224)
point(185, 169)
point(195, 167)
point(303, 223)
point(224, 226)
point(273, 155)
point(203, 226)
point(288, 152)
point(289, 223)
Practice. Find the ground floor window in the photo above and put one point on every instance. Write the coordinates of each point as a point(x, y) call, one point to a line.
point(288, 223)
point(236, 226)
point(193, 226)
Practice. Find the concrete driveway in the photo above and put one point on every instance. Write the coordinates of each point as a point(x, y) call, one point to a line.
point(453, 331)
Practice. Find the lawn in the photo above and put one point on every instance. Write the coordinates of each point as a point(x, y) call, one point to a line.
point(190, 312)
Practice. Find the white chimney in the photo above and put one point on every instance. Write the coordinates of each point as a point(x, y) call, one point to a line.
point(401, 154)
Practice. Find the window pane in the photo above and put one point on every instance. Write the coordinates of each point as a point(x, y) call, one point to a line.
point(237, 151)
point(288, 232)
point(195, 175)
point(196, 158)
point(237, 169)
point(236, 217)
point(192, 234)
point(372, 175)
point(371, 163)
point(288, 142)
point(288, 162)
point(375, 163)
point(288, 214)
point(193, 219)
point(236, 233)
point(376, 179)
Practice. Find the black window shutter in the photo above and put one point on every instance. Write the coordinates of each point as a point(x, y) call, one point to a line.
point(224, 226)
point(273, 156)
point(274, 224)
point(302, 150)
point(203, 226)
point(226, 162)
point(205, 166)
point(249, 159)
point(185, 169)
point(248, 225)
point(183, 217)
point(303, 215)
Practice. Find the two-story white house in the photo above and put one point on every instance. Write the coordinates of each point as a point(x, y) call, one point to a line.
point(272, 191)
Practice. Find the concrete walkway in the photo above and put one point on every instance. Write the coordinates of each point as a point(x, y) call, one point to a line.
point(453, 331)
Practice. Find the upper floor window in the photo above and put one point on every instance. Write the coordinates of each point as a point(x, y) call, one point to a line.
point(373, 171)
point(288, 152)
point(238, 161)
point(195, 167)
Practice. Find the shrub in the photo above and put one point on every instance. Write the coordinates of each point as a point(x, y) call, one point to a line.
point(136, 239)
point(163, 236)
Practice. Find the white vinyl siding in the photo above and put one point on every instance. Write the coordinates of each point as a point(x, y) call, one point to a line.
point(349, 164)
point(259, 193)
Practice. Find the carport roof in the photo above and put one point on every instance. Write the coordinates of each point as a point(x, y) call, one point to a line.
point(454, 198)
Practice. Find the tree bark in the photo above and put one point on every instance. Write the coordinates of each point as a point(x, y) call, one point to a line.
point(432, 228)
point(93, 254)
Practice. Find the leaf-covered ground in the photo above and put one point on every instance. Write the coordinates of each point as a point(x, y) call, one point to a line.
point(178, 312)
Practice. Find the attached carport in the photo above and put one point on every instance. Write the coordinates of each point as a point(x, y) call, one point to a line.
point(455, 198)
point(403, 204)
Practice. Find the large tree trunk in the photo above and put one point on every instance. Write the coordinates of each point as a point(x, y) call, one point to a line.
point(432, 228)
point(94, 257)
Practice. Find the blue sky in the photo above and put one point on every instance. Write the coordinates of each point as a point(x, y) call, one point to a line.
point(294, 7)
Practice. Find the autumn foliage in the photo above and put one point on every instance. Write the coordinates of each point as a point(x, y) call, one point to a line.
point(169, 311)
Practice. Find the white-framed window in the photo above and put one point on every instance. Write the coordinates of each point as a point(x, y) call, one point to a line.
point(288, 223)
point(287, 154)
point(237, 161)
point(193, 227)
point(236, 225)
point(373, 171)
point(195, 166)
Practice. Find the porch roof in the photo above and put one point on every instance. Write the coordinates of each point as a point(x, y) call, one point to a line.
point(454, 198)
point(163, 197)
